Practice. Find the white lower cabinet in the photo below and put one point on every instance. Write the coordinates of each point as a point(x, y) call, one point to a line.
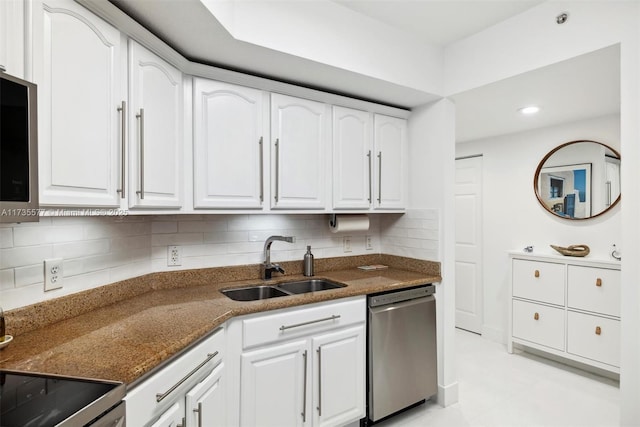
point(206, 403)
point(172, 417)
point(567, 307)
point(193, 382)
point(274, 382)
point(310, 371)
point(338, 361)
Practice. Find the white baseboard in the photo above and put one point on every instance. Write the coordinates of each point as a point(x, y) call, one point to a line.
point(493, 334)
point(447, 395)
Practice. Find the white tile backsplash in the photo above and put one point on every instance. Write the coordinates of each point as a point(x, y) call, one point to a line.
point(101, 250)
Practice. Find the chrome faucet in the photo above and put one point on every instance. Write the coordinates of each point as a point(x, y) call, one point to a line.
point(267, 267)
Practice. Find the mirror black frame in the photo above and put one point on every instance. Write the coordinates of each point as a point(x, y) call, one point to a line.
point(536, 180)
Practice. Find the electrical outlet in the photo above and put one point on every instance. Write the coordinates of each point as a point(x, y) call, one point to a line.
point(174, 255)
point(346, 243)
point(368, 244)
point(53, 274)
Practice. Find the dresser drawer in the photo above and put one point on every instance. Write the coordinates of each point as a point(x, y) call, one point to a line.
point(300, 321)
point(594, 337)
point(540, 281)
point(539, 324)
point(594, 289)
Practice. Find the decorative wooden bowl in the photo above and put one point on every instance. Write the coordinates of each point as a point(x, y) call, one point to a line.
point(573, 250)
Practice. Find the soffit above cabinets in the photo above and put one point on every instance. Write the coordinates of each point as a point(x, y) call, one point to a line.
point(388, 52)
point(579, 88)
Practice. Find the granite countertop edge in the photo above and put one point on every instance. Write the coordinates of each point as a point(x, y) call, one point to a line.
point(128, 339)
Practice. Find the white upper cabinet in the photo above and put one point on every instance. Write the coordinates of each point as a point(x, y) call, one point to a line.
point(230, 133)
point(391, 174)
point(12, 37)
point(299, 145)
point(369, 160)
point(79, 70)
point(352, 158)
point(155, 131)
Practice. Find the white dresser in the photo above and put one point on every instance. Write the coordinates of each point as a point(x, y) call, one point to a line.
point(566, 306)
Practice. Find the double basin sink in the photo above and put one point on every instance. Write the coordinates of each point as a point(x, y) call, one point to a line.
point(254, 293)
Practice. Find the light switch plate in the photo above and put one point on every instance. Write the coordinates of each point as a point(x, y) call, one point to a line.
point(346, 244)
point(53, 274)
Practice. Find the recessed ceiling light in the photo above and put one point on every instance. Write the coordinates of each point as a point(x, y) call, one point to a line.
point(532, 109)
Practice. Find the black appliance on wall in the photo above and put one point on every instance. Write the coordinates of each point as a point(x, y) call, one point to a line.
point(18, 150)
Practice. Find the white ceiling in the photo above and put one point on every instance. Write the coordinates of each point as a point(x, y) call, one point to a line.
point(440, 22)
point(583, 87)
point(580, 88)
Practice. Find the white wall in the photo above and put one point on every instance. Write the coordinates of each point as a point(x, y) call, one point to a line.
point(513, 218)
point(432, 166)
point(532, 40)
point(101, 250)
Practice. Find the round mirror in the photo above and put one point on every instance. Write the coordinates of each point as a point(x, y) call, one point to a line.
point(579, 180)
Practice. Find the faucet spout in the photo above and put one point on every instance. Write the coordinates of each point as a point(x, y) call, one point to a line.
point(267, 267)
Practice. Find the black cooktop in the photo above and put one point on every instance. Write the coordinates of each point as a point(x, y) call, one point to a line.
point(40, 400)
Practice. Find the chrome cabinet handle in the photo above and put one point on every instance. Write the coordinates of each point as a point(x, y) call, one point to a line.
point(261, 170)
point(199, 411)
point(369, 161)
point(319, 381)
point(277, 167)
point(380, 177)
point(141, 118)
point(304, 390)
point(123, 138)
point(333, 317)
point(160, 396)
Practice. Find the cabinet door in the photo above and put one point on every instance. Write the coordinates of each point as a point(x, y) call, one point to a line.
point(12, 37)
point(594, 289)
point(77, 67)
point(339, 377)
point(229, 151)
point(390, 183)
point(274, 386)
point(299, 145)
point(155, 131)
point(539, 281)
point(539, 324)
point(172, 417)
point(352, 158)
point(205, 403)
point(594, 337)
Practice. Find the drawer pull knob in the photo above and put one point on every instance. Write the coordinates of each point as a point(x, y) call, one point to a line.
point(598, 282)
point(598, 330)
point(536, 316)
point(536, 273)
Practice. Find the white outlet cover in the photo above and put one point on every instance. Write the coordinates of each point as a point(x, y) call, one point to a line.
point(53, 274)
point(174, 255)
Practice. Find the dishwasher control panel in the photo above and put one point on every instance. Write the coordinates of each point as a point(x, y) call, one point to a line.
point(401, 295)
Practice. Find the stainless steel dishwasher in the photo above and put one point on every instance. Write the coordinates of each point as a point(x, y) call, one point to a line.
point(401, 347)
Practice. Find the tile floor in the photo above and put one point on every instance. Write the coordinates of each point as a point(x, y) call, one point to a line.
point(501, 389)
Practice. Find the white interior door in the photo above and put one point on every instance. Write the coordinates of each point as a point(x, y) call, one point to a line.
point(469, 300)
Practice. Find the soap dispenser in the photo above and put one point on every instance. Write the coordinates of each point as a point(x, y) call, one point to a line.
point(308, 263)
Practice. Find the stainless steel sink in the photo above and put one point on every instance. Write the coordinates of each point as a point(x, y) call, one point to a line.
point(254, 293)
point(309, 285)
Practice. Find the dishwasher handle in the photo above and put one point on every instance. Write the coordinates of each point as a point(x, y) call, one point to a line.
point(400, 305)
